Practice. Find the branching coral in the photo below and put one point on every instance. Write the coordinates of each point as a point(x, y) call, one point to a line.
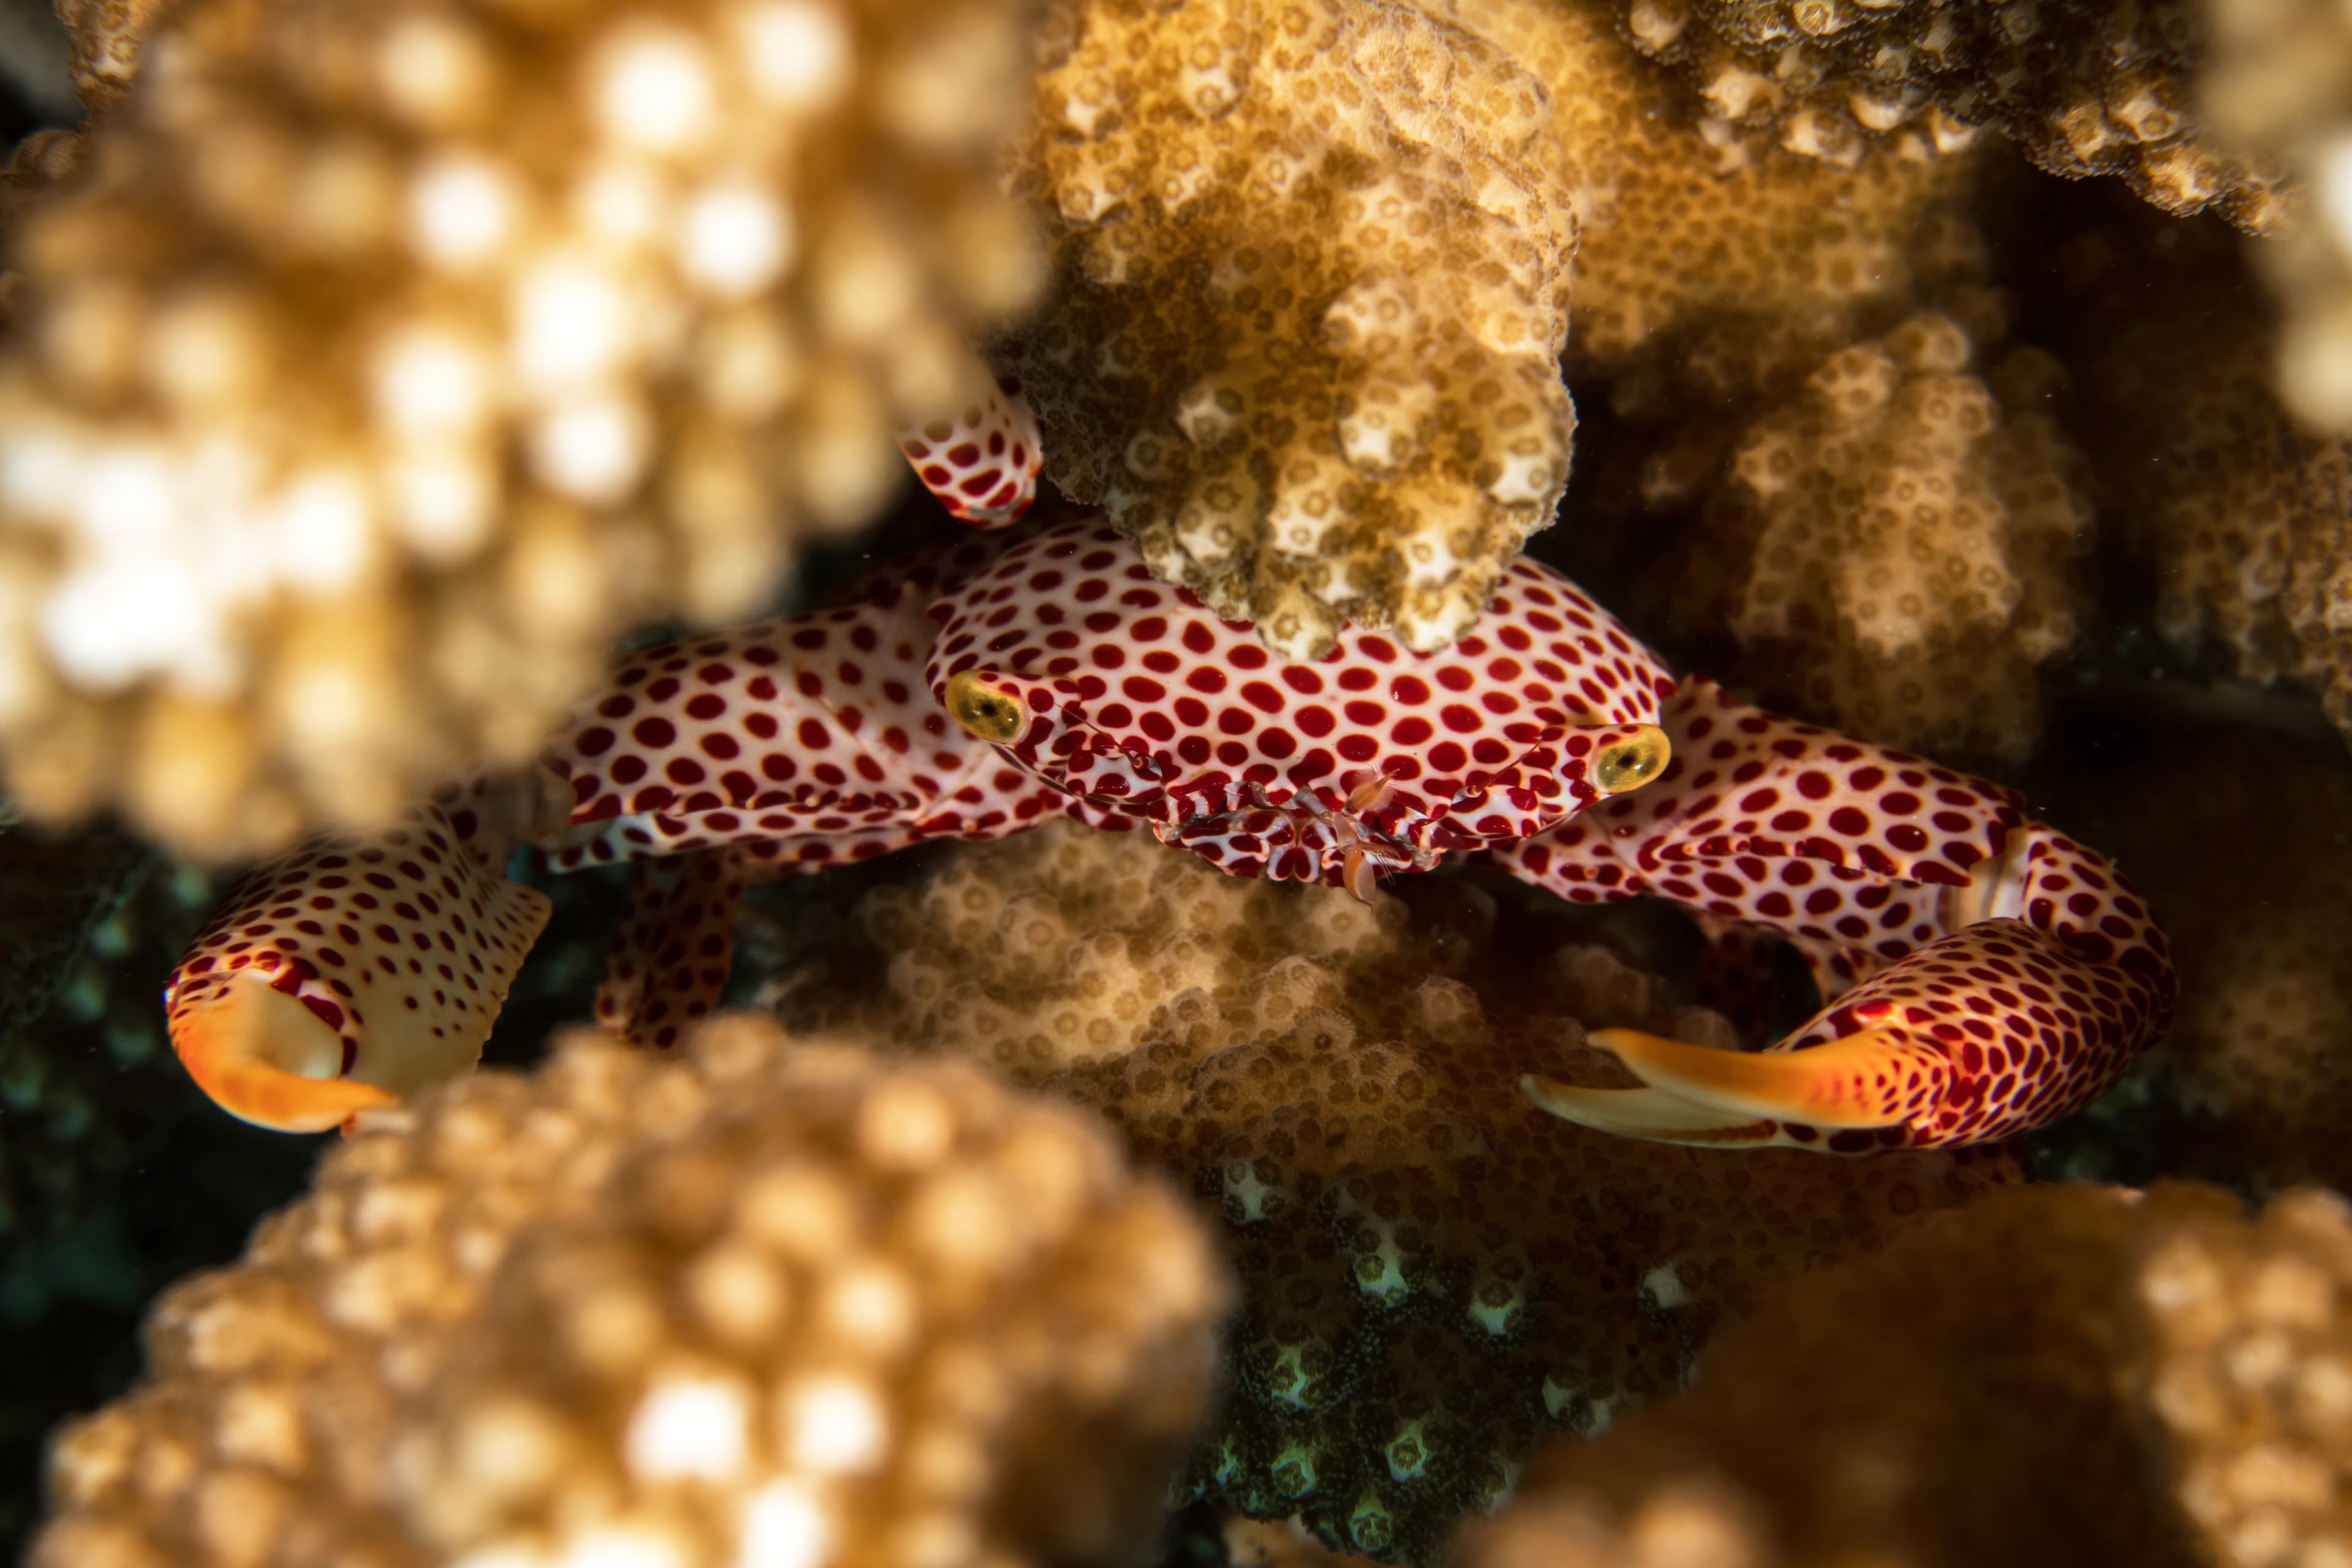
point(1676, 230)
point(1314, 269)
point(1433, 1273)
point(2084, 88)
point(1894, 541)
point(1312, 281)
point(385, 364)
point(2000, 1385)
point(776, 1304)
point(2243, 515)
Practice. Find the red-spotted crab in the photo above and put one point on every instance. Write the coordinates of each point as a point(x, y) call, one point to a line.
point(1984, 973)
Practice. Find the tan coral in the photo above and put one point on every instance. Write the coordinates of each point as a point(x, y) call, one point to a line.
point(389, 361)
point(2280, 83)
point(1895, 543)
point(776, 1304)
point(2084, 88)
point(2060, 1375)
point(1433, 1273)
point(1677, 226)
point(1311, 281)
point(2242, 513)
point(1312, 297)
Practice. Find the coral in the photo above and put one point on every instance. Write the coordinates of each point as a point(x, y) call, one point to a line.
point(1311, 281)
point(1433, 1273)
point(2242, 515)
point(1895, 544)
point(106, 38)
point(2059, 1374)
point(383, 365)
point(1676, 230)
point(1314, 287)
point(2084, 88)
point(2249, 868)
point(2280, 83)
point(774, 1303)
point(2252, 1377)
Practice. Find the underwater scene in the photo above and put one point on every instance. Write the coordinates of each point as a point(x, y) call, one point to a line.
point(1166, 784)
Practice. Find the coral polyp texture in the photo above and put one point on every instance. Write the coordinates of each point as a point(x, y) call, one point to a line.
point(2243, 513)
point(1433, 1273)
point(1313, 277)
point(1896, 541)
point(2055, 1375)
point(779, 1303)
point(379, 367)
point(2084, 88)
point(1304, 344)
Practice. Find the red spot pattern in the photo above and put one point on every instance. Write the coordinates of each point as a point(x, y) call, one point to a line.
point(1488, 741)
point(403, 942)
point(1925, 901)
point(982, 463)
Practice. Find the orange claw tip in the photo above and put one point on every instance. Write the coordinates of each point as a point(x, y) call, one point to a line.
point(240, 1042)
point(1861, 1080)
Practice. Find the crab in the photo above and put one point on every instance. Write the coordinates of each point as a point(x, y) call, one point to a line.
point(1982, 974)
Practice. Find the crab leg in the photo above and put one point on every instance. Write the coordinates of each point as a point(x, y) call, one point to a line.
point(357, 969)
point(1986, 974)
point(981, 462)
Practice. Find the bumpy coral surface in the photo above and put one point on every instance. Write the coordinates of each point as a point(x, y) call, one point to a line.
point(1675, 228)
point(2061, 1375)
point(776, 1304)
point(1433, 1273)
point(1896, 542)
point(1305, 344)
point(2084, 88)
point(385, 364)
point(2243, 513)
point(1312, 281)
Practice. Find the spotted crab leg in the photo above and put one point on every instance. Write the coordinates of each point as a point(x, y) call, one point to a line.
point(1986, 973)
point(357, 969)
point(982, 462)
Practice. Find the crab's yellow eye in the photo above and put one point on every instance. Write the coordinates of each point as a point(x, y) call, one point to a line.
point(1631, 761)
point(987, 711)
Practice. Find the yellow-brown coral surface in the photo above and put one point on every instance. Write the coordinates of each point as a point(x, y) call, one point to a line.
point(2062, 1374)
point(383, 365)
point(2084, 88)
point(1433, 1271)
point(1896, 540)
point(1305, 342)
point(1313, 278)
point(777, 1304)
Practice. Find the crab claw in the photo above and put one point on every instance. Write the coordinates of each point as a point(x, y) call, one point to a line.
point(1694, 1094)
point(265, 1058)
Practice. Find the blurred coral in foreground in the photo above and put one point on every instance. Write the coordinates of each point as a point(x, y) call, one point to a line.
point(777, 1305)
point(2056, 1375)
point(2280, 83)
point(1433, 1273)
point(377, 368)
